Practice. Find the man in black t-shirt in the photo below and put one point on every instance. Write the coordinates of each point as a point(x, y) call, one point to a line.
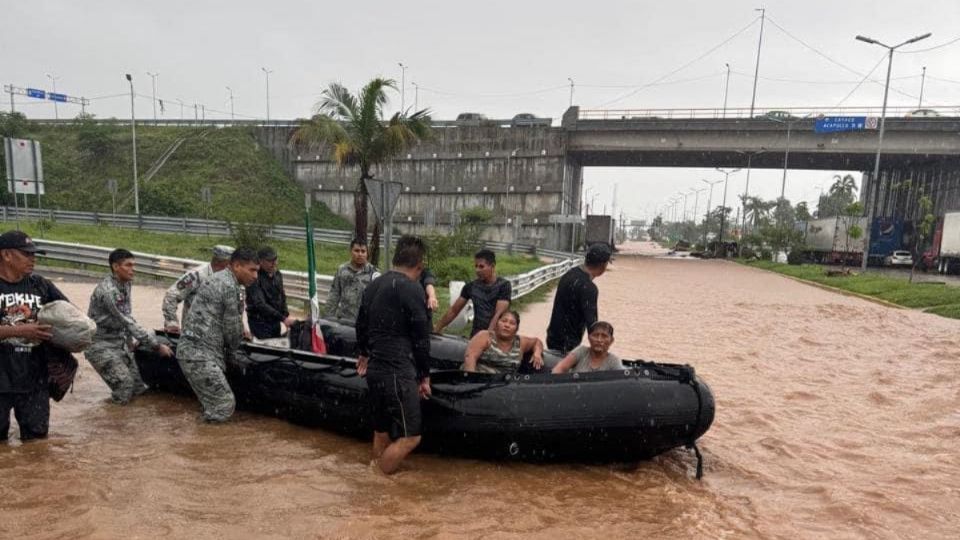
point(393, 339)
point(23, 364)
point(575, 303)
point(490, 295)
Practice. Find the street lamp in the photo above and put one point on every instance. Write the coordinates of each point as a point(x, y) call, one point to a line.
point(726, 90)
point(746, 191)
point(696, 204)
point(267, 73)
point(403, 86)
point(709, 203)
point(154, 77)
point(231, 102)
point(133, 128)
point(723, 209)
point(875, 179)
point(571, 91)
point(56, 111)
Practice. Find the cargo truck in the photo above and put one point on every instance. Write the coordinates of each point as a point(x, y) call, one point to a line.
point(828, 241)
point(599, 230)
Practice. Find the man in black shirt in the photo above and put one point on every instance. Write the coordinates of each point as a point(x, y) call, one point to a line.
point(490, 295)
point(393, 338)
point(266, 301)
point(23, 363)
point(575, 304)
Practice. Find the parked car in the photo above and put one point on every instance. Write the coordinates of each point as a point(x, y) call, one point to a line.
point(527, 119)
point(898, 258)
point(470, 119)
point(922, 113)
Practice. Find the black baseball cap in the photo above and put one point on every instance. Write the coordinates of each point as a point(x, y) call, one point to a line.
point(19, 240)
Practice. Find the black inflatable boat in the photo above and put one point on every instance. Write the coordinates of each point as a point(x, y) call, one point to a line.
point(626, 415)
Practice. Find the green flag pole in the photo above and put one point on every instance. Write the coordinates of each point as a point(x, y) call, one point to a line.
point(311, 259)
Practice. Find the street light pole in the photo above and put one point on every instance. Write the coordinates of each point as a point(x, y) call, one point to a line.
point(726, 90)
point(756, 72)
point(133, 128)
point(154, 85)
point(571, 91)
point(231, 102)
point(403, 86)
point(875, 179)
point(56, 111)
point(709, 203)
point(923, 78)
point(267, 73)
point(723, 209)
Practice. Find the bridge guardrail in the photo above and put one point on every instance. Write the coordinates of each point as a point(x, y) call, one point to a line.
point(296, 284)
point(713, 113)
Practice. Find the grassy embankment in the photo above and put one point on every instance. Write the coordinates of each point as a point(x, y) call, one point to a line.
point(930, 297)
point(246, 182)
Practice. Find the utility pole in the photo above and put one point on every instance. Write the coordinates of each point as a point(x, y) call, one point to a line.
point(56, 111)
point(133, 128)
point(231, 103)
point(723, 209)
point(923, 78)
point(756, 71)
point(746, 195)
point(180, 101)
point(875, 179)
point(706, 220)
point(154, 77)
point(571, 91)
point(267, 73)
point(403, 86)
point(726, 90)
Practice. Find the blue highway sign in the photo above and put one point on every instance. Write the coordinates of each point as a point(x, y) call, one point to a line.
point(57, 97)
point(832, 124)
point(34, 93)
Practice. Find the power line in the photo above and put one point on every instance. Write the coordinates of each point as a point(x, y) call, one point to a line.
point(684, 66)
point(935, 47)
point(865, 77)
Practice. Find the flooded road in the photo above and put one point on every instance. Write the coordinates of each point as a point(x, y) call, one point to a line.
point(836, 418)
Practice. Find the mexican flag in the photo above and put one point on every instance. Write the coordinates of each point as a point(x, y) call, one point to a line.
point(317, 345)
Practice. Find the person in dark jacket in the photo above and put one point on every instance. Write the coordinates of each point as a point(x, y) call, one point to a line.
point(575, 303)
point(266, 301)
point(23, 362)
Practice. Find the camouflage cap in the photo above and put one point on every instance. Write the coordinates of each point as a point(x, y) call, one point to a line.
point(222, 253)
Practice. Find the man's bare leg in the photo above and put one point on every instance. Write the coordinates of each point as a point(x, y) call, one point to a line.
point(381, 441)
point(396, 452)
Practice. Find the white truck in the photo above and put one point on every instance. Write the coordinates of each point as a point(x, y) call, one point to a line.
point(948, 261)
point(828, 240)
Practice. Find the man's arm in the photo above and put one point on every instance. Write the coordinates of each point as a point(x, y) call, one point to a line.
point(451, 314)
point(416, 310)
point(176, 294)
point(503, 304)
point(139, 333)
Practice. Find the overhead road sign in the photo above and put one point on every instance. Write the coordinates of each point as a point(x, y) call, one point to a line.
point(34, 93)
point(62, 98)
point(833, 124)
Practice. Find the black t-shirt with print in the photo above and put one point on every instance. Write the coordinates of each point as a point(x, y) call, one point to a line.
point(485, 299)
point(23, 367)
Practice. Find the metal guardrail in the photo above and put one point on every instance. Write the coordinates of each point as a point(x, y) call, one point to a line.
point(199, 227)
point(296, 284)
point(226, 122)
point(944, 112)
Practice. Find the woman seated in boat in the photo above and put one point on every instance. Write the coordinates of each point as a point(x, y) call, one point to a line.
point(596, 357)
point(501, 350)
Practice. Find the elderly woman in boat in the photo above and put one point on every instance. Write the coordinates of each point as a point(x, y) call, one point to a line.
point(501, 350)
point(596, 357)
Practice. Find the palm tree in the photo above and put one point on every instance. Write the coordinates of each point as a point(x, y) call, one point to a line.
point(353, 128)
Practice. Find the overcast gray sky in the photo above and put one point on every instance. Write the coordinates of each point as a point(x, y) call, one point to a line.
point(495, 57)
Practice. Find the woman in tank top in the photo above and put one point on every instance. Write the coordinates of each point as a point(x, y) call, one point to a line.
point(501, 350)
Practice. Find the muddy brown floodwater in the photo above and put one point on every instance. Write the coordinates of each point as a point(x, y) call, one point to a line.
point(836, 418)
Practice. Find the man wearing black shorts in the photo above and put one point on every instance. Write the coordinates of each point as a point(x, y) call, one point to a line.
point(393, 338)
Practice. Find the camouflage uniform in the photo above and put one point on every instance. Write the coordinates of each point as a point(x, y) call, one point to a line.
point(346, 292)
point(184, 290)
point(111, 352)
point(212, 329)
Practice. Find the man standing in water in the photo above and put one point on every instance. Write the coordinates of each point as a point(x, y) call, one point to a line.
point(575, 303)
point(111, 352)
point(490, 295)
point(186, 287)
point(23, 364)
point(393, 337)
point(212, 330)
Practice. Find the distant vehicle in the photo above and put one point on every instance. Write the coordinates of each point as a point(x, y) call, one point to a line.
point(527, 119)
point(898, 258)
point(777, 115)
point(922, 113)
point(470, 119)
point(599, 230)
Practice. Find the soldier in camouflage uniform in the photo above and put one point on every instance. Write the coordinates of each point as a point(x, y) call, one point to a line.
point(212, 330)
point(111, 352)
point(349, 282)
point(186, 287)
